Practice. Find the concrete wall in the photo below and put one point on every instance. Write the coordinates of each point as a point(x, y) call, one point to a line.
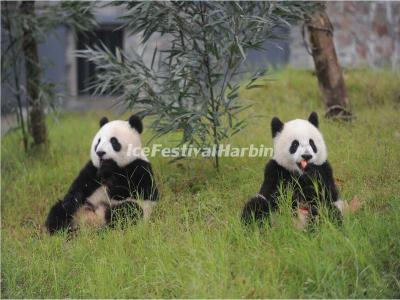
point(52, 58)
point(365, 34)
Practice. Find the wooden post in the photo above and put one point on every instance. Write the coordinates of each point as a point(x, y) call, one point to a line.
point(37, 122)
point(328, 70)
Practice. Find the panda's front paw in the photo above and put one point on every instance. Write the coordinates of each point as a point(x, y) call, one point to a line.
point(107, 170)
point(107, 165)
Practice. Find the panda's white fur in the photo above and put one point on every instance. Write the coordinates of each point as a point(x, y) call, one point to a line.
point(128, 137)
point(302, 131)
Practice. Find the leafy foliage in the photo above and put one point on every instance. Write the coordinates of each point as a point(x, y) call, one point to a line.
point(76, 15)
point(188, 85)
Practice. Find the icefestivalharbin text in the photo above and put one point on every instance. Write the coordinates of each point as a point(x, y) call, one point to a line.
point(190, 151)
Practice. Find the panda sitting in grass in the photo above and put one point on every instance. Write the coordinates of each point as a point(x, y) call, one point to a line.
point(117, 184)
point(299, 163)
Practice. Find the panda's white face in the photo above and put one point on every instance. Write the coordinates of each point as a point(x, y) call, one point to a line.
point(298, 143)
point(118, 141)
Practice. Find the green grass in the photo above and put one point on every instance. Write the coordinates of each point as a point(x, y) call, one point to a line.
point(194, 245)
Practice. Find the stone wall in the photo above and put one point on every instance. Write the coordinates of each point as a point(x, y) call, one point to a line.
point(365, 34)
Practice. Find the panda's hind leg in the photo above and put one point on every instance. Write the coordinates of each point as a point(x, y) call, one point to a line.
point(257, 209)
point(90, 216)
point(58, 217)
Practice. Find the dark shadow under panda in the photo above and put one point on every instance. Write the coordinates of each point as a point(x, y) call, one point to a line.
point(116, 183)
point(299, 163)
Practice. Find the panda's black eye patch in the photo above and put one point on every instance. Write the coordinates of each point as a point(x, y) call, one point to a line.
point(115, 144)
point(294, 146)
point(98, 142)
point(312, 144)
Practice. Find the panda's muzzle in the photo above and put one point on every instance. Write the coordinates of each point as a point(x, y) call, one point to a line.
point(100, 154)
point(304, 162)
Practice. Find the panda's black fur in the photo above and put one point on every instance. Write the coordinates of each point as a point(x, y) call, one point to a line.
point(277, 177)
point(120, 183)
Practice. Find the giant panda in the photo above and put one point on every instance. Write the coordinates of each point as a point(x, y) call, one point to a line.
point(116, 183)
point(299, 163)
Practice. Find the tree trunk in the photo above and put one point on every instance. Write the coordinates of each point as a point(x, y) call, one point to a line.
point(12, 39)
point(37, 122)
point(328, 70)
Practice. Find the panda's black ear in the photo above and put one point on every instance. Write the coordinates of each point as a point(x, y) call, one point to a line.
point(276, 126)
point(103, 121)
point(136, 123)
point(313, 119)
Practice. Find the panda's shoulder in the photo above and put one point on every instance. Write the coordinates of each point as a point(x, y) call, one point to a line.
point(326, 167)
point(140, 162)
point(139, 165)
point(88, 171)
point(274, 167)
point(86, 181)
